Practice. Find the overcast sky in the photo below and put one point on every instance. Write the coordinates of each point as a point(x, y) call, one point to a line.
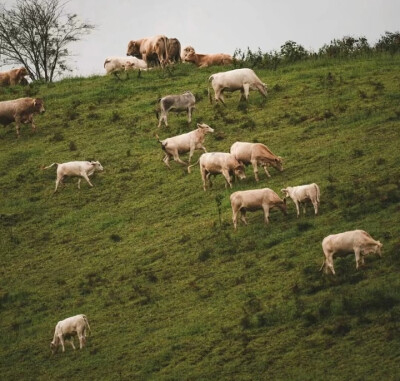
point(221, 26)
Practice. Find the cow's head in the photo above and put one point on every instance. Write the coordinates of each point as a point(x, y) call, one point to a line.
point(239, 171)
point(53, 347)
point(378, 248)
point(22, 72)
point(205, 127)
point(133, 48)
point(285, 192)
point(282, 206)
point(188, 54)
point(38, 104)
point(96, 165)
point(277, 163)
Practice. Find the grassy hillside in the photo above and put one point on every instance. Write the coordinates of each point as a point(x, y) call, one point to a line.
point(170, 290)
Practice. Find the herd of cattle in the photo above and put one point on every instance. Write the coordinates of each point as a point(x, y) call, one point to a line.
point(142, 55)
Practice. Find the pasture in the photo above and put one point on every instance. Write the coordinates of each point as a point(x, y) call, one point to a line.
point(170, 290)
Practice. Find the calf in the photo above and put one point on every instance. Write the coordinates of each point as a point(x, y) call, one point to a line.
point(256, 153)
point(13, 77)
point(76, 168)
point(205, 60)
point(303, 193)
point(220, 162)
point(357, 241)
point(251, 200)
point(115, 65)
point(188, 142)
point(20, 111)
point(183, 102)
point(66, 330)
point(238, 79)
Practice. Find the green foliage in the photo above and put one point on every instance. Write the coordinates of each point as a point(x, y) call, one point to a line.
point(170, 290)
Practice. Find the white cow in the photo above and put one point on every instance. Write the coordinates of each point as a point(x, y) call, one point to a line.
point(357, 241)
point(188, 142)
point(256, 153)
point(76, 168)
point(115, 65)
point(213, 163)
point(66, 330)
point(255, 199)
point(183, 102)
point(238, 79)
point(303, 193)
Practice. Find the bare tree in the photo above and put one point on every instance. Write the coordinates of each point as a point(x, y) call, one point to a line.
point(36, 34)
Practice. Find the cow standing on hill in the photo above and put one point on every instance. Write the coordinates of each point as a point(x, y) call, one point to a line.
point(13, 77)
point(149, 48)
point(20, 111)
point(182, 102)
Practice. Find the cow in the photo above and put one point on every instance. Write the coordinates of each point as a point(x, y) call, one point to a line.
point(188, 142)
point(357, 241)
point(183, 102)
point(254, 154)
point(13, 77)
point(213, 163)
point(20, 110)
point(302, 194)
point(66, 330)
point(115, 65)
point(76, 169)
point(150, 48)
point(255, 199)
point(238, 79)
point(205, 60)
point(174, 50)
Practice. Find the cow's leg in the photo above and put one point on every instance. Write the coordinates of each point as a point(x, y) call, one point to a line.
point(209, 179)
point(266, 213)
point(178, 159)
point(81, 337)
point(315, 204)
point(330, 264)
point(246, 89)
point(266, 170)
point(17, 125)
point(235, 213)
point(192, 148)
point(58, 181)
point(166, 160)
point(297, 208)
point(86, 177)
point(204, 177)
point(304, 207)
point(255, 169)
point(243, 215)
point(357, 253)
point(189, 115)
point(62, 342)
point(71, 341)
point(227, 176)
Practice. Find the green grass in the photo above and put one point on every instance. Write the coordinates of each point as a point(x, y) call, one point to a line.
point(172, 292)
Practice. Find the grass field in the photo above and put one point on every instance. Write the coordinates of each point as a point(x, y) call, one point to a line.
point(170, 290)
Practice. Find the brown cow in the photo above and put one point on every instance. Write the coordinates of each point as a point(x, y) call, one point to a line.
point(205, 60)
point(20, 111)
point(174, 50)
point(254, 154)
point(13, 77)
point(149, 48)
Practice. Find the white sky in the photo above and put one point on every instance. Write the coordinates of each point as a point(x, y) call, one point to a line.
point(221, 26)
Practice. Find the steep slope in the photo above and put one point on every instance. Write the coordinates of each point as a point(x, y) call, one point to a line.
point(170, 290)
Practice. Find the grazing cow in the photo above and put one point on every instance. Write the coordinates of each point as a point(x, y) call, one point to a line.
point(255, 199)
point(303, 193)
point(77, 169)
point(214, 163)
point(114, 65)
point(188, 142)
point(238, 79)
point(357, 241)
point(254, 154)
point(66, 330)
point(183, 102)
point(150, 48)
point(13, 77)
point(20, 111)
point(205, 60)
point(174, 50)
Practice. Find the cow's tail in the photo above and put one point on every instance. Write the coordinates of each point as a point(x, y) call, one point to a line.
point(105, 62)
point(209, 90)
point(165, 38)
point(86, 323)
point(163, 145)
point(317, 191)
point(190, 166)
point(50, 166)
